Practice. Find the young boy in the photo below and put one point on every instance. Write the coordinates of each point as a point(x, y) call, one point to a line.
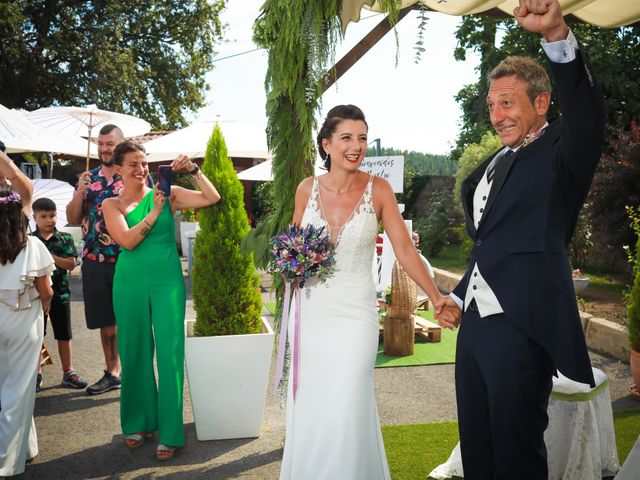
point(64, 254)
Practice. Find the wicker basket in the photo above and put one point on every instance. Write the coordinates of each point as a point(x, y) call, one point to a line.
point(404, 294)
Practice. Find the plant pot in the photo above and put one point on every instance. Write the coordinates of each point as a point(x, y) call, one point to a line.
point(186, 227)
point(634, 362)
point(228, 377)
point(580, 284)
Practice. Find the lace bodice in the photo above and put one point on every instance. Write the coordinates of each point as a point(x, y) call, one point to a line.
point(356, 239)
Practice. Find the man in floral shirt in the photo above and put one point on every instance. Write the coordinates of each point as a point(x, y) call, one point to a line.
point(100, 252)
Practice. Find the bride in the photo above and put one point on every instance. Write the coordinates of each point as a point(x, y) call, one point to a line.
point(332, 426)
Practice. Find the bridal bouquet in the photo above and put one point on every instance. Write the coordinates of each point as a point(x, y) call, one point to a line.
point(298, 255)
point(301, 253)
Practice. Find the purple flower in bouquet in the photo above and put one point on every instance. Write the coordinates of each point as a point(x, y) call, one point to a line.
point(302, 253)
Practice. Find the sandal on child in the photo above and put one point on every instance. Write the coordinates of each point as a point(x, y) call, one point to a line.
point(136, 440)
point(165, 452)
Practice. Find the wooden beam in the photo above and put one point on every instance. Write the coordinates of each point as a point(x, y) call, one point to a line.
point(358, 51)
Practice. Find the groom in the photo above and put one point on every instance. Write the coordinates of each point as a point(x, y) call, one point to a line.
point(520, 320)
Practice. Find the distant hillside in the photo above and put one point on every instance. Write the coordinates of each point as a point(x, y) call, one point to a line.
point(421, 163)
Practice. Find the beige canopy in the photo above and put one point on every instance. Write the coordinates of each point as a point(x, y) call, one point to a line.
point(603, 13)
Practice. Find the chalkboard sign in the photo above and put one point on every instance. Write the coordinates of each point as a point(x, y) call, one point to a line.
point(390, 168)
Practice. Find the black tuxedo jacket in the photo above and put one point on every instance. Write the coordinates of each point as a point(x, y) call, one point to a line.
point(529, 219)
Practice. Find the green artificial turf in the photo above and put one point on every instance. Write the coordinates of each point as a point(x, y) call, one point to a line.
point(414, 450)
point(424, 353)
point(271, 306)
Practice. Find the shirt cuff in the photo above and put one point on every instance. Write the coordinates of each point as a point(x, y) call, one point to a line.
point(456, 299)
point(562, 51)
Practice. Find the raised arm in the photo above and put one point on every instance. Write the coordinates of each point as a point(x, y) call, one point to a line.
point(579, 95)
point(185, 198)
point(124, 236)
point(74, 207)
point(19, 181)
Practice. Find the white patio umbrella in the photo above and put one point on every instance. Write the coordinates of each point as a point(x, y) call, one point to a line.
point(56, 190)
point(82, 120)
point(262, 172)
point(20, 135)
point(243, 139)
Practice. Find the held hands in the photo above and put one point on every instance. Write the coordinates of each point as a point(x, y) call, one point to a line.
point(447, 312)
point(182, 163)
point(543, 17)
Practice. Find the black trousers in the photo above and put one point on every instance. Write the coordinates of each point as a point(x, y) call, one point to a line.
point(503, 382)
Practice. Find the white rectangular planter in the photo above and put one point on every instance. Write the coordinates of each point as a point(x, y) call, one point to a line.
point(228, 377)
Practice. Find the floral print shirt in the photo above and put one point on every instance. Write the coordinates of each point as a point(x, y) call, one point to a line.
point(98, 244)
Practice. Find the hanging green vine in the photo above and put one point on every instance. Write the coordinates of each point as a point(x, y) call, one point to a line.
point(301, 38)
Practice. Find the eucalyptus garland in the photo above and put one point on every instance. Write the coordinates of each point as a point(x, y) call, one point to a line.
point(300, 37)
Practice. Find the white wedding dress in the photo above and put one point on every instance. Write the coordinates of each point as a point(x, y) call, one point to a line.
point(332, 428)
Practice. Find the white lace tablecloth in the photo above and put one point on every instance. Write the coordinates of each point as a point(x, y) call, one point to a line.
point(580, 439)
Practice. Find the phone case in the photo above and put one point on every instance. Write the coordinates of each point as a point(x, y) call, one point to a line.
point(165, 179)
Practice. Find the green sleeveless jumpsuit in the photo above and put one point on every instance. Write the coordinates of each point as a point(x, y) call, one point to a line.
point(149, 303)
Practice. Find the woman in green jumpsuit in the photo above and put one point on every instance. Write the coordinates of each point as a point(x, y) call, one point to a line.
point(149, 297)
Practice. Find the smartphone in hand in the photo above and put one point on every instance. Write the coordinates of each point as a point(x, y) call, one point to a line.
point(165, 179)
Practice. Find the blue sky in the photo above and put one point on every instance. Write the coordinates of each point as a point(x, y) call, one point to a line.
point(408, 106)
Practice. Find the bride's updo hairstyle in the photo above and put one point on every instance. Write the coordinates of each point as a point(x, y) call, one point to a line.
point(336, 115)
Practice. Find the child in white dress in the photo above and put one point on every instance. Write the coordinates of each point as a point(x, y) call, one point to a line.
point(25, 293)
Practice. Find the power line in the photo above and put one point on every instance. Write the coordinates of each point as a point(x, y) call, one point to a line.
point(236, 55)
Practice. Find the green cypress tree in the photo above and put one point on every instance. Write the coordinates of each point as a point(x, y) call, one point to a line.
point(226, 294)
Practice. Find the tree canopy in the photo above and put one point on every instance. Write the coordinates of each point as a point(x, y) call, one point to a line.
point(143, 57)
point(614, 54)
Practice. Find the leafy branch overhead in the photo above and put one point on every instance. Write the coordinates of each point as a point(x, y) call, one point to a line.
point(143, 57)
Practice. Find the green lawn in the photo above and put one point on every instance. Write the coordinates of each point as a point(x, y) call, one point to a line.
point(414, 450)
point(605, 282)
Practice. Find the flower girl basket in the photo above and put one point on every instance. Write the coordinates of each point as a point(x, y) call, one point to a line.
point(398, 324)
